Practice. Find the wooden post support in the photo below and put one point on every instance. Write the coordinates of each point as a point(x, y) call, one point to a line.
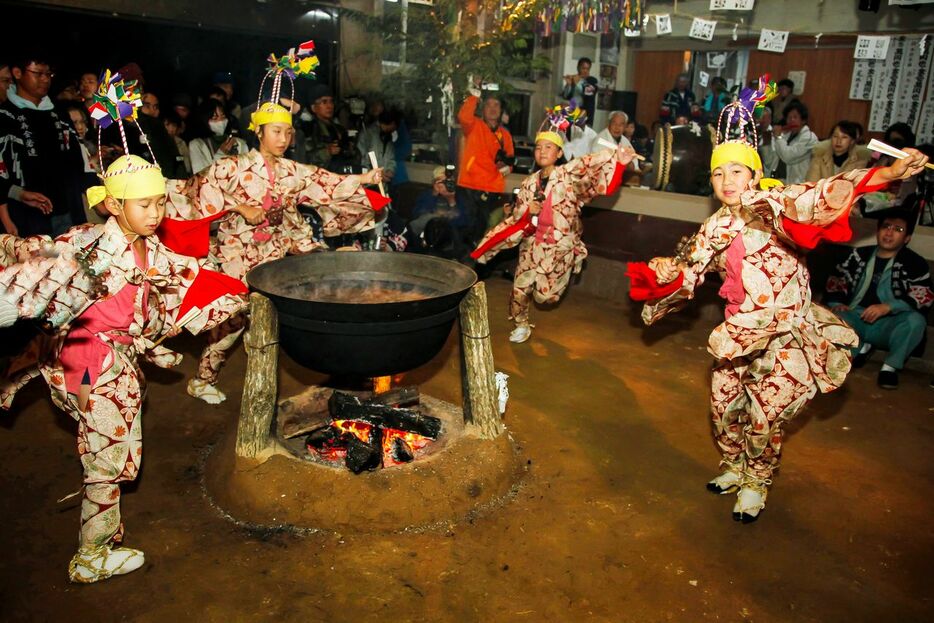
point(478, 380)
point(260, 386)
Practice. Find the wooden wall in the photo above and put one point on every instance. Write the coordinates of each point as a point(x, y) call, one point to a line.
point(654, 75)
point(826, 89)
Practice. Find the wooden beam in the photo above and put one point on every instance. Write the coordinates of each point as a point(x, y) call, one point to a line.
point(478, 379)
point(260, 386)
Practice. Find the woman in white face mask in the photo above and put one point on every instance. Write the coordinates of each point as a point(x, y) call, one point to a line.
point(217, 136)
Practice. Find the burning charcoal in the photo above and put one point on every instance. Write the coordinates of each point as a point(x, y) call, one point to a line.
point(324, 438)
point(346, 407)
point(375, 438)
point(361, 456)
point(401, 452)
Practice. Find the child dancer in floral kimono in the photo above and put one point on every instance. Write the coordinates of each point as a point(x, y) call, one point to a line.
point(776, 349)
point(546, 221)
point(256, 195)
point(113, 291)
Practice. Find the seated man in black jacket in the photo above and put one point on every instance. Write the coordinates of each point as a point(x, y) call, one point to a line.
point(884, 292)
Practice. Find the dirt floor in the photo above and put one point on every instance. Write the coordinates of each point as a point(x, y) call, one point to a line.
point(612, 524)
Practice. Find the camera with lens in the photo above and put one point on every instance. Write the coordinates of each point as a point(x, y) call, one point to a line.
point(503, 159)
point(450, 177)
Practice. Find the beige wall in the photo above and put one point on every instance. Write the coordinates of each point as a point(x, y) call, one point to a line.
point(800, 17)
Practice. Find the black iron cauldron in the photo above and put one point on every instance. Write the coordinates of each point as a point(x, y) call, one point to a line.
point(363, 313)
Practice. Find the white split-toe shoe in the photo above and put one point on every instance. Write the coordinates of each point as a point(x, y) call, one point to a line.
point(96, 563)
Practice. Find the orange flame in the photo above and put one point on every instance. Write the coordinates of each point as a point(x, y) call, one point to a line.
point(382, 384)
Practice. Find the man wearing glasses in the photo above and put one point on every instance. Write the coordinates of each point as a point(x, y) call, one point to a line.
point(884, 293)
point(40, 159)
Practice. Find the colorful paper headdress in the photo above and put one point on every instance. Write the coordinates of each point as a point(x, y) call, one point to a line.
point(737, 136)
point(116, 101)
point(558, 120)
point(301, 61)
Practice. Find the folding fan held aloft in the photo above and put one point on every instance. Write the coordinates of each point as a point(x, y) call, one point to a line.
point(558, 120)
point(737, 136)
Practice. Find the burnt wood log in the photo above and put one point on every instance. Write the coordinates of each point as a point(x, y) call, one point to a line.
point(260, 384)
point(303, 413)
point(325, 438)
point(362, 456)
point(401, 451)
point(478, 379)
point(396, 397)
point(346, 407)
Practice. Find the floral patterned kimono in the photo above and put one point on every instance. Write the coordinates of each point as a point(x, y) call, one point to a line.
point(108, 307)
point(343, 204)
point(550, 249)
point(776, 348)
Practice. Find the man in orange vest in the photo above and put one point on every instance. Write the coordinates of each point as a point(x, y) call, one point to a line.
point(486, 161)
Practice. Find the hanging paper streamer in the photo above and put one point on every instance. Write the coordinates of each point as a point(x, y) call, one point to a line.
point(773, 40)
point(114, 99)
point(601, 16)
point(731, 5)
point(702, 29)
point(871, 47)
point(632, 15)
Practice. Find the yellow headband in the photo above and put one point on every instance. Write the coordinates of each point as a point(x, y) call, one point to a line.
point(129, 177)
point(269, 112)
point(735, 152)
point(550, 136)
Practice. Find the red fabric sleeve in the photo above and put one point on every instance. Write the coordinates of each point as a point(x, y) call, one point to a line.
point(863, 187)
point(644, 286)
point(191, 238)
point(809, 236)
point(524, 223)
point(614, 184)
point(207, 287)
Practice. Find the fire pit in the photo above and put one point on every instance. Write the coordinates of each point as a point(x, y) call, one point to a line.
point(315, 459)
point(366, 313)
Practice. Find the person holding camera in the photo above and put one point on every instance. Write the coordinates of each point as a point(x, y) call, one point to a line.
point(486, 160)
point(328, 144)
point(441, 201)
point(215, 139)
